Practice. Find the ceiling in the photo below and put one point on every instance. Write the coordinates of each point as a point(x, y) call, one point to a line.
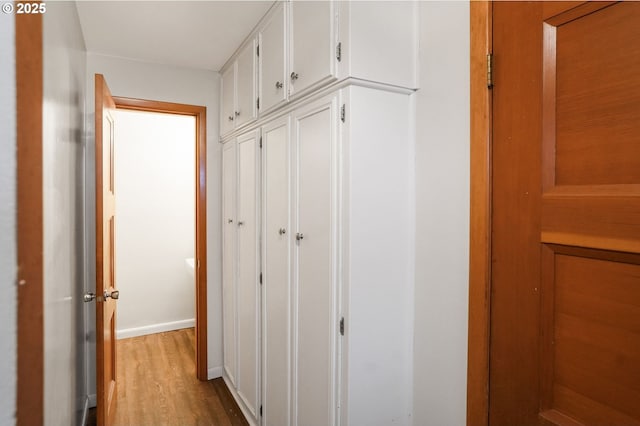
point(195, 34)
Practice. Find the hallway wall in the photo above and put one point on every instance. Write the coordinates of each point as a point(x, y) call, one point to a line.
point(136, 79)
point(8, 270)
point(63, 188)
point(442, 216)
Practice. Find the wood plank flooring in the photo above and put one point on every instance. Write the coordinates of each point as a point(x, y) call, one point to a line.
point(157, 385)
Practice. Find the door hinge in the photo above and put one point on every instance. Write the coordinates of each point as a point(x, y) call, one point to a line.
point(339, 52)
point(342, 326)
point(260, 277)
point(489, 70)
point(258, 103)
point(342, 113)
point(261, 411)
point(260, 142)
point(258, 50)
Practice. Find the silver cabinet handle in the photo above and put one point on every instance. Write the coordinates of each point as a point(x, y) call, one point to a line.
point(282, 231)
point(299, 236)
point(278, 85)
point(88, 297)
point(115, 294)
point(240, 223)
point(229, 220)
point(230, 118)
point(294, 76)
point(237, 113)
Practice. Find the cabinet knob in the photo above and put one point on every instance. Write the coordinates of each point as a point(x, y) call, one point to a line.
point(229, 220)
point(230, 118)
point(278, 85)
point(294, 76)
point(282, 231)
point(237, 113)
point(299, 236)
point(240, 223)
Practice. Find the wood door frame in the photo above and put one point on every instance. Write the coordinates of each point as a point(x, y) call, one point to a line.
point(480, 216)
point(29, 220)
point(200, 114)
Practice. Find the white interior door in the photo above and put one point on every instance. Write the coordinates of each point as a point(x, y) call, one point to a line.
point(246, 85)
point(229, 259)
point(276, 350)
point(312, 44)
point(316, 329)
point(273, 79)
point(248, 270)
point(227, 104)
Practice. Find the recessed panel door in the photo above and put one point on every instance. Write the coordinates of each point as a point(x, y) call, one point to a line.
point(248, 271)
point(565, 306)
point(229, 259)
point(277, 237)
point(273, 80)
point(315, 291)
point(246, 108)
point(227, 104)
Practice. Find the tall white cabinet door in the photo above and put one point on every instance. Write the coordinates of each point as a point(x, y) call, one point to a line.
point(229, 258)
point(276, 269)
point(316, 330)
point(248, 271)
point(227, 103)
point(312, 45)
point(246, 85)
point(273, 79)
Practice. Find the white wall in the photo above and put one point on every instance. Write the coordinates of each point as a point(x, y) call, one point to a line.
point(63, 160)
point(135, 79)
point(8, 258)
point(155, 221)
point(442, 216)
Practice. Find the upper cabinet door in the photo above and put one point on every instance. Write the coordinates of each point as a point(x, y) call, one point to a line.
point(273, 78)
point(227, 107)
point(246, 108)
point(312, 44)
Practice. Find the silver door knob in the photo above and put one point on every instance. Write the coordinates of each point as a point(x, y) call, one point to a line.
point(229, 220)
point(294, 76)
point(115, 294)
point(237, 113)
point(230, 118)
point(299, 236)
point(240, 223)
point(282, 231)
point(278, 85)
point(88, 297)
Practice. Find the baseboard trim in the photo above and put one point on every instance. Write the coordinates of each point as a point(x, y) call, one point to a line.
point(214, 373)
point(93, 400)
point(155, 328)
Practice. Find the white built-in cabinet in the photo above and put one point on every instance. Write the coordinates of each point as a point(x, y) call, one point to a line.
point(318, 219)
point(238, 103)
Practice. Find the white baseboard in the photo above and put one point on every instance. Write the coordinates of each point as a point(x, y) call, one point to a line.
point(214, 373)
point(155, 328)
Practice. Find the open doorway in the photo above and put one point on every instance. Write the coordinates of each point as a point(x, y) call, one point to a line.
point(164, 213)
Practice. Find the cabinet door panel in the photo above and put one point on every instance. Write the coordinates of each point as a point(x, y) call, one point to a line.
point(229, 258)
point(316, 326)
point(273, 80)
point(246, 85)
point(276, 267)
point(248, 286)
point(312, 44)
point(227, 106)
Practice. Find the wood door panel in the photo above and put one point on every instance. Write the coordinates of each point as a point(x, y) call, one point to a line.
point(598, 97)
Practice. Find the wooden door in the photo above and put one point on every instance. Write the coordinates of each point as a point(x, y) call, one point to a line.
point(276, 294)
point(565, 295)
point(312, 45)
point(248, 271)
point(227, 103)
point(246, 108)
point(105, 254)
point(273, 80)
point(315, 329)
point(229, 259)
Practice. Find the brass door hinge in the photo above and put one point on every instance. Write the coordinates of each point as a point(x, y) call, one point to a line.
point(489, 70)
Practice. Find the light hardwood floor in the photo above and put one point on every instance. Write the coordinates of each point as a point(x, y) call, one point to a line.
point(157, 385)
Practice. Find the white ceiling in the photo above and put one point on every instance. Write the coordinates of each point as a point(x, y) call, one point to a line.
point(196, 34)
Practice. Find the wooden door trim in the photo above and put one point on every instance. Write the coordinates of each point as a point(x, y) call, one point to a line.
point(29, 220)
point(200, 114)
point(480, 214)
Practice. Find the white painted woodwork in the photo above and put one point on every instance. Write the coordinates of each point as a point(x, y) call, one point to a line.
point(229, 290)
point(315, 332)
point(276, 261)
point(312, 44)
point(246, 85)
point(272, 60)
point(227, 100)
point(247, 305)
